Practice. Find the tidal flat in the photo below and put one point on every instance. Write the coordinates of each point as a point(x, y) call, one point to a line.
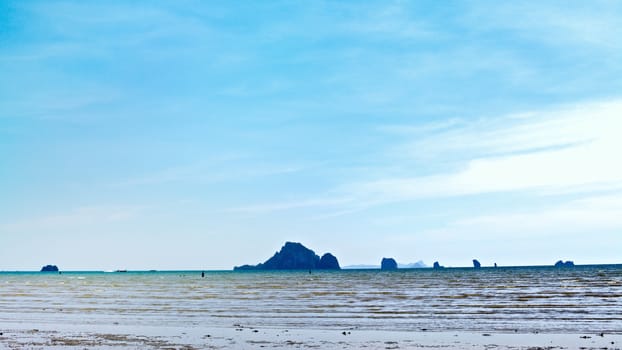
point(241, 337)
point(503, 308)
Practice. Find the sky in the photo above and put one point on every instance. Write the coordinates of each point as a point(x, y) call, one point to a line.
point(205, 134)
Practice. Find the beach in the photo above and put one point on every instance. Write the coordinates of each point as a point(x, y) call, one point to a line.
point(505, 308)
point(241, 337)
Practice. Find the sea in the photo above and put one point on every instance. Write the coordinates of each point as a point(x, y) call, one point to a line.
point(505, 299)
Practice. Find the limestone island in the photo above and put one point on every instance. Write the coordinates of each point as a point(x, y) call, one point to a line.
point(388, 264)
point(476, 264)
point(295, 256)
point(564, 264)
point(49, 268)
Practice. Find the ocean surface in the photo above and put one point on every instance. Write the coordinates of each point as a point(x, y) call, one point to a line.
point(525, 299)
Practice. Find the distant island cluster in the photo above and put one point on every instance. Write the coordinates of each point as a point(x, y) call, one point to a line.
point(295, 256)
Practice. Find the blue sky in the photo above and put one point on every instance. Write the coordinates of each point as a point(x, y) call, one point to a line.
point(205, 134)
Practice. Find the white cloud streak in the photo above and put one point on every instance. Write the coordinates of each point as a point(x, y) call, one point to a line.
point(208, 172)
point(288, 205)
point(571, 147)
point(595, 25)
point(592, 215)
point(86, 216)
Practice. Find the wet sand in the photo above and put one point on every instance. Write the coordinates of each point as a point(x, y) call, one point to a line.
point(23, 336)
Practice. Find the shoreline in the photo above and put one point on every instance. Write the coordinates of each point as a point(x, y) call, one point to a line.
point(67, 336)
point(344, 268)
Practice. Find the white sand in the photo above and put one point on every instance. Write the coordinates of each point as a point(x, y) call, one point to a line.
point(25, 336)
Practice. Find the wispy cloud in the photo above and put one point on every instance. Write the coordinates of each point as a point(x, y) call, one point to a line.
point(222, 169)
point(529, 131)
point(566, 149)
point(288, 205)
point(393, 22)
point(590, 215)
point(555, 23)
point(544, 150)
point(85, 216)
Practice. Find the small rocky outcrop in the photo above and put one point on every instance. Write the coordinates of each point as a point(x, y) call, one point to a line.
point(294, 256)
point(437, 266)
point(328, 262)
point(564, 263)
point(476, 264)
point(388, 264)
point(49, 268)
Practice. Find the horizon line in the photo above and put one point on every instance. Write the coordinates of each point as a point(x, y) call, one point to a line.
point(348, 267)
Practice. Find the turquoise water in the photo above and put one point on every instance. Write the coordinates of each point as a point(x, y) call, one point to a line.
point(526, 299)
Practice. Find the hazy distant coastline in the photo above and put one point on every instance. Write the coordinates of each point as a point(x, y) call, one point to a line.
point(295, 256)
point(350, 268)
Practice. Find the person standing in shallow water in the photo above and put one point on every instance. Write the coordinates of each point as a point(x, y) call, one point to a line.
point(202, 274)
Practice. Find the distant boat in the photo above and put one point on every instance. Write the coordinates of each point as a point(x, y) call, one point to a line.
point(120, 271)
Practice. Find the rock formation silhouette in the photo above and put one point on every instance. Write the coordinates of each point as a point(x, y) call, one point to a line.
point(564, 264)
point(295, 256)
point(476, 264)
point(49, 268)
point(388, 264)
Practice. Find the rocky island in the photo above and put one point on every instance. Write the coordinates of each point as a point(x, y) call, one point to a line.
point(476, 264)
point(388, 264)
point(564, 263)
point(295, 256)
point(49, 268)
